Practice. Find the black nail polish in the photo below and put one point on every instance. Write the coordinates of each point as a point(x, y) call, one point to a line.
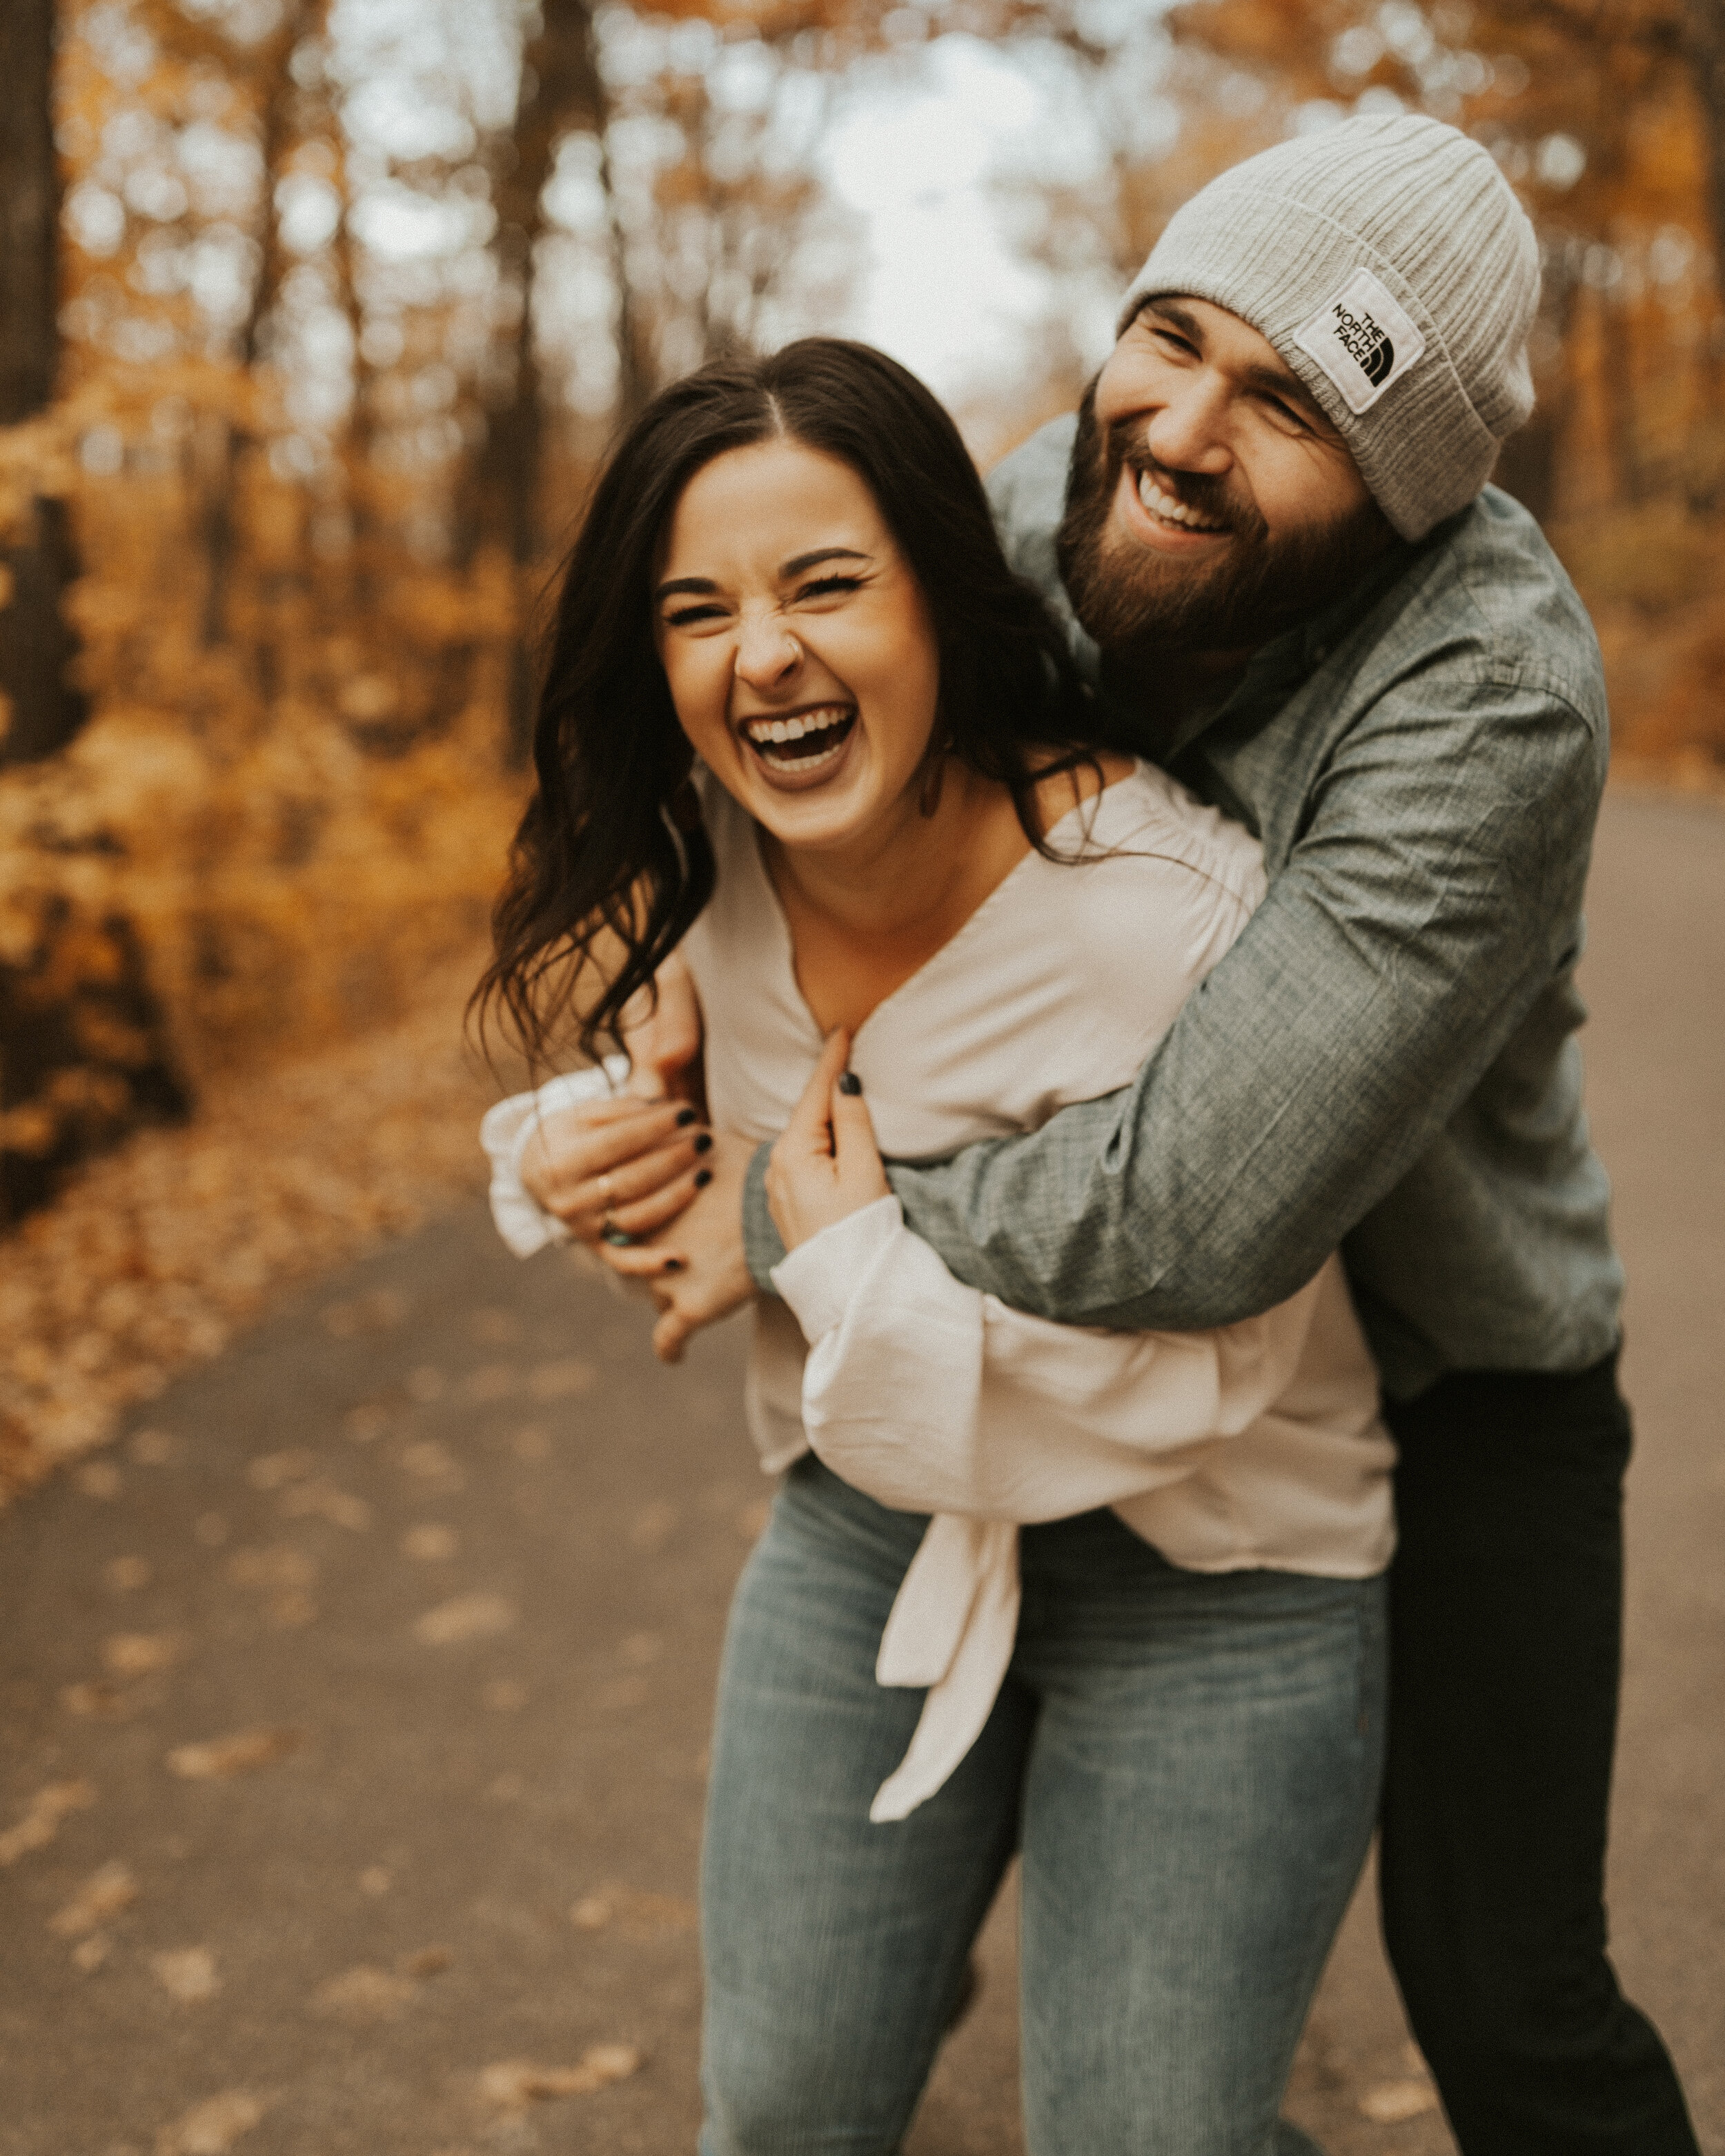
point(851, 1083)
point(685, 1117)
point(704, 1143)
point(703, 1176)
point(673, 1266)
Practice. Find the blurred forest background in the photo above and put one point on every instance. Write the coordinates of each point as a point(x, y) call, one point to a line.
point(315, 313)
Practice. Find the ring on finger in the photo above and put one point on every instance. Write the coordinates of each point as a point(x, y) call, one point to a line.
point(610, 1233)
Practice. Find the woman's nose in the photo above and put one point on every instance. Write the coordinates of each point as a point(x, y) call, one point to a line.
point(765, 651)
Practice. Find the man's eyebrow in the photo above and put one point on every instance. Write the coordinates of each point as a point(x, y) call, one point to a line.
point(1276, 381)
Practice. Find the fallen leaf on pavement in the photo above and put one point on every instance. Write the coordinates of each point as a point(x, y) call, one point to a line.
point(467, 1617)
point(89, 1955)
point(429, 1961)
point(432, 1462)
point(212, 2127)
point(42, 1818)
point(124, 1574)
point(364, 1995)
point(279, 1567)
point(140, 1654)
point(218, 1756)
point(103, 1894)
point(1392, 2102)
point(325, 1501)
point(636, 1912)
point(188, 1974)
point(375, 1880)
point(512, 2084)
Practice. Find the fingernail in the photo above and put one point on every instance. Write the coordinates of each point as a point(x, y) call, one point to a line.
point(685, 1117)
point(851, 1083)
point(704, 1143)
point(672, 1265)
point(703, 1176)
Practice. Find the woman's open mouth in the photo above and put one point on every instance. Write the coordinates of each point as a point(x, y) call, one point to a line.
point(801, 743)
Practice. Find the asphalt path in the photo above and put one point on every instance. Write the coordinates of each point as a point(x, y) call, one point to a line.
point(353, 1710)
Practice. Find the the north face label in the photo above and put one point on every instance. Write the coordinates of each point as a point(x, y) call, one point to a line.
point(1362, 340)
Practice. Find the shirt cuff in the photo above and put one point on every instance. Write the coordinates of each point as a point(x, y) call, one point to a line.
point(763, 1246)
point(505, 1130)
point(819, 1276)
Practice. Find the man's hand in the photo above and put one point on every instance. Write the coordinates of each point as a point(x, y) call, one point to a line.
point(827, 1165)
point(696, 1268)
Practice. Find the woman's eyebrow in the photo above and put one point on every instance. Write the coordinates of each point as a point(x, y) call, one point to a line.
point(798, 563)
point(685, 584)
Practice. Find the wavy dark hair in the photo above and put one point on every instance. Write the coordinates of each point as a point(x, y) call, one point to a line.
point(611, 848)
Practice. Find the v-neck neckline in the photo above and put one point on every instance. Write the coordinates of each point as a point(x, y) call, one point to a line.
point(787, 942)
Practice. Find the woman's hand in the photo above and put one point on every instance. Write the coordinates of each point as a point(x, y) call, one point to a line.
point(621, 1167)
point(827, 1165)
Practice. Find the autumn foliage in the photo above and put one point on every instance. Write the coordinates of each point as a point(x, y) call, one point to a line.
point(341, 320)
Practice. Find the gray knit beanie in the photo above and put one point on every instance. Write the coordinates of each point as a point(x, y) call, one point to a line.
point(1390, 264)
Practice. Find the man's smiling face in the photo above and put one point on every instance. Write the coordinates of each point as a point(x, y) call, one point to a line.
point(1211, 503)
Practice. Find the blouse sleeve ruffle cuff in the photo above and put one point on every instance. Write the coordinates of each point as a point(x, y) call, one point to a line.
point(818, 1278)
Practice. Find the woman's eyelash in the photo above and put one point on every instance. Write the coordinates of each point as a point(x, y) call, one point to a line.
point(684, 615)
point(822, 586)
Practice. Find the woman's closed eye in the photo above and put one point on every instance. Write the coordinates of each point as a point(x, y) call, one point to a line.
point(827, 587)
point(693, 617)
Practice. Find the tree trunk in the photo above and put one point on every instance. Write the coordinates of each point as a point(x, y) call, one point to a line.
point(42, 711)
point(562, 89)
point(1706, 57)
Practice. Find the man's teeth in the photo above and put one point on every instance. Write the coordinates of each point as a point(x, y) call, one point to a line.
point(1164, 504)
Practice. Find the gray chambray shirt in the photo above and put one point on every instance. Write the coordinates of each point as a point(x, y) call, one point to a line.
point(1386, 1059)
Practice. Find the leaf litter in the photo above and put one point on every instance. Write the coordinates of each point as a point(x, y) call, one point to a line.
point(107, 1891)
point(284, 1174)
point(218, 1758)
point(42, 1817)
point(513, 2084)
point(466, 1617)
point(212, 2127)
point(187, 1973)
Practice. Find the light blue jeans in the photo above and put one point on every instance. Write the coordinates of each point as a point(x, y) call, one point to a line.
point(1189, 1762)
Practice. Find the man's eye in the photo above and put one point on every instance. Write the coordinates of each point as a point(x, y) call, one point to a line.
point(1288, 415)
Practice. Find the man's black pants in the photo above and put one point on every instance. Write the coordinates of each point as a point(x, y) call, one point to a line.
point(1506, 1608)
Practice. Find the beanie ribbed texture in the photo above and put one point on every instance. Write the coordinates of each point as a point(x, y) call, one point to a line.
point(1424, 210)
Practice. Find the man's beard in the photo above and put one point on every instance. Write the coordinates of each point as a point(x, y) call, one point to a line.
point(1138, 605)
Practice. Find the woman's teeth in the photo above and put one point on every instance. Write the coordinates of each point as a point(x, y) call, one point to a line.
point(1175, 512)
point(800, 743)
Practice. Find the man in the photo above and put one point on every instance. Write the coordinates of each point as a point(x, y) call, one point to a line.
point(1269, 530)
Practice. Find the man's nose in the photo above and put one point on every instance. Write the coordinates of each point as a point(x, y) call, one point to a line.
point(1189, 433)
point(766, 650)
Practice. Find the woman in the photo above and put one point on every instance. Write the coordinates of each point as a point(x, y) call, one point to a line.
point(1114, 1600)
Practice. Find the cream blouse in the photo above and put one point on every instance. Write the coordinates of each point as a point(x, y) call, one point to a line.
point(1256, 1444)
